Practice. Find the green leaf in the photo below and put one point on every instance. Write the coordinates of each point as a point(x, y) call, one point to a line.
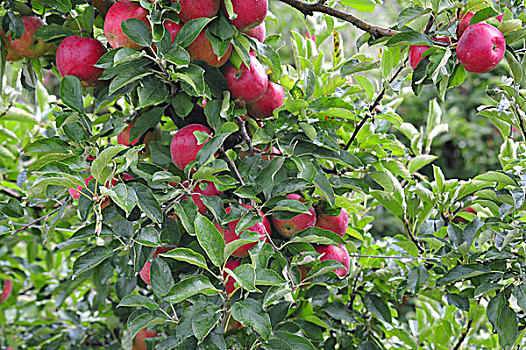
point(102, 167)
point(360, 5)
point(135, 300)
point(210, 239)
point(186, 255)
point(122, 195)
point(189, 287)
point(419, 162)
point(463, 272)
point(190, 31)
point(409, 37)
point(142, 318)
point(249, 312)
point(161, 277)
point(137, 31)
point(516, 67)
point(409, 14)
point(378, 306)
point(245, 276)
point(52, 144)
point(316, 235)
point(416, 278)
point(90, 259)
point(151, 92)
point(71, 93)
point(145, 121)
point(354, 66)
point(498, 178)
point(147, 202)
point(389, 202)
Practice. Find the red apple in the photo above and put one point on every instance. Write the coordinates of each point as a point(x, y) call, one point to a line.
point(139, 340)
point(415, 54)
point(481, 48)
point(184, 147)
point(250, 13)
point(76, 55)
point(201, 49)
point(248, 84)
point(229, 284)
point(339, 254)
point(500, 17)
point(464, 23)
point(29, 46)
point(145, 271)
point(173, 28)
point(230, 234)
point(118, 13)
point(11, 54)
point(337, 224)
point(191, 9)
point(266, 223)
point(272, 99)
point(6, 291)
point(75, 193)
point(207, 189)
point(258, 33)
point(287, 228)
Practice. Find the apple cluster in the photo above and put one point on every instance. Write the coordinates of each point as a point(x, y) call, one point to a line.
point(480, 46)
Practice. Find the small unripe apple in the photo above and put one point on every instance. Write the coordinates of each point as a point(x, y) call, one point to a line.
point(207, 189)
point(230, 235)
point(139, 340)
point(481, 48)
point(6, 290)
point(248, 84)
point(229, 284)
point(191, 9)
point(118, 13)
point(337, 224)
point(29, 46)
point(287, 228)
point(339, 254)
point(145, 271)
point(184, 147)
point(271, 100)
point(173, 28)
point(258, 33)
point(201, 49)
point(76, 55)
point(250, 13)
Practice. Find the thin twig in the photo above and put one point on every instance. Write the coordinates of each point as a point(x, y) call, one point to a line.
point(413, 237)
point(309, 8)
point(37, 220)
point(372, 107)
point(463, 336)
point(233, 165)
point(394, 257)
point(244, 133)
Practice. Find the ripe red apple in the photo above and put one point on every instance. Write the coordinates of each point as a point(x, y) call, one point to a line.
point(466, 19)
point(173, 28)
point(29, 46)
point(464, 23)
point(229, 284)
point(6, 291)
point(191, 9)
point(118, 13)
point(139, 340)
point(76, 55)
point(145, 271)
point(207, 189)
point(184, 147)
point(415, 54)
point(272, 99)
point(258, 33)
point(337, 224)
point(287, 228)
point(248, 84)
point(12, 56)
point(481, 48)
point(333, 252)
point(201, 49)
point(230, 235)
point(250, 13)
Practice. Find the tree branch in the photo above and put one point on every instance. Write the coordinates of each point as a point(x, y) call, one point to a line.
point(37, 220)
point(463, 336)
point(308, 9)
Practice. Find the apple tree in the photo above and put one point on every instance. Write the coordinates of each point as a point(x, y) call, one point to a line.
point(241, 174)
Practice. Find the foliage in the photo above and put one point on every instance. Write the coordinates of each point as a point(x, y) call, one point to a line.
point(425, 273)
